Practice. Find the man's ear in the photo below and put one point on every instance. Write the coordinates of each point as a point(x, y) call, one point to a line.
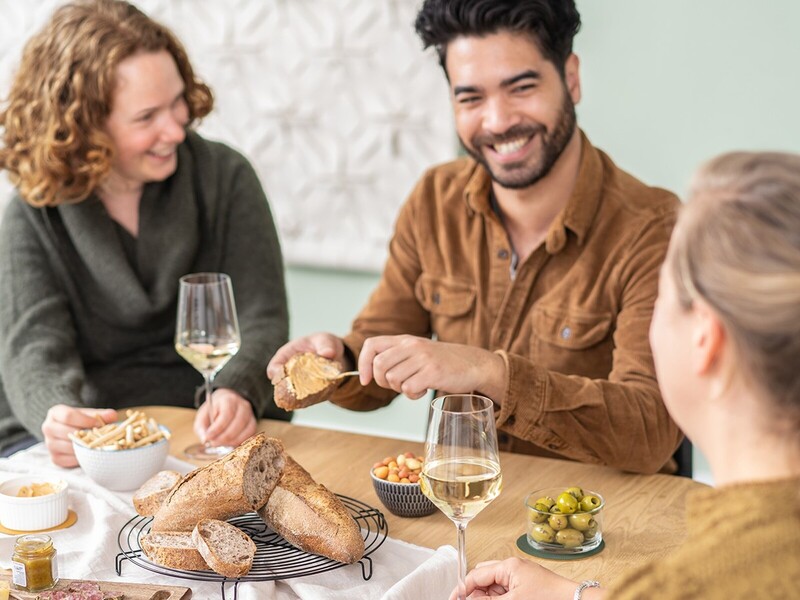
point(708, 339)
point(572, 77)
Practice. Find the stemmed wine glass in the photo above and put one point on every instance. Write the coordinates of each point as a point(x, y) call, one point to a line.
point(461, 474)
point(206, 336)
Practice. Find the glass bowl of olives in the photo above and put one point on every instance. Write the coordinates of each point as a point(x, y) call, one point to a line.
point(564, 520)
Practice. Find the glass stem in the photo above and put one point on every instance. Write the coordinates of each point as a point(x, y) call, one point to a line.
point(207, 378)
point(462, 559)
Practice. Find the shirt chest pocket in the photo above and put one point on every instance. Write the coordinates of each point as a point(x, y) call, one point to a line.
point(571, 341)
point(451, 304)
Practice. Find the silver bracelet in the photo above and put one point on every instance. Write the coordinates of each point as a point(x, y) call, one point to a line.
point(582, 586)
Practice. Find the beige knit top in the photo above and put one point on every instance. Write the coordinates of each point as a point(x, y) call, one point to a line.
point(744, 542)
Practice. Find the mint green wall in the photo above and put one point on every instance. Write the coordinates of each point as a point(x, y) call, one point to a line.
point(666, 84)
point(324, 300)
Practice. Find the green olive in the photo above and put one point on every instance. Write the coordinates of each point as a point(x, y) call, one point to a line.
point(590, 532)
point(589, 503)
point(546, 501)
point(555, 510)
point(558, 522)
point(569, 538)
point(575, 491)
point(537, 516)
point(582, 522)
point(567, 503)
point(543, 533)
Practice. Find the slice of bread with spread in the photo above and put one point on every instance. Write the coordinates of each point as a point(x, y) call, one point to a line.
point(307, 379)
point(311, 517)
point(233, 485)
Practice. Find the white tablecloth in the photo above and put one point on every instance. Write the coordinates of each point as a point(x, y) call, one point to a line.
point(400, 571)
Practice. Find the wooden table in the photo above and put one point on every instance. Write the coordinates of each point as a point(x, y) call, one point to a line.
point(643, 520)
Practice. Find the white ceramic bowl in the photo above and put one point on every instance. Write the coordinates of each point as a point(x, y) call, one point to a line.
point(123, 470)
point(36, 513)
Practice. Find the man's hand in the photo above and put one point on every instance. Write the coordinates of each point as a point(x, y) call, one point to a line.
point(326, 345)
point(231, 423)
point(518, 579)
point(62, 420)
point(412, 365)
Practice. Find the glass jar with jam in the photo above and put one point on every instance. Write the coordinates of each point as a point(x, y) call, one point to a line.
point(34, 566)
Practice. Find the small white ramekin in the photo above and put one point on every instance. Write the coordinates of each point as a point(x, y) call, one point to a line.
point(32, 514)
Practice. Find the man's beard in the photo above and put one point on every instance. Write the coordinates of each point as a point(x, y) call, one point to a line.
point(521, 175)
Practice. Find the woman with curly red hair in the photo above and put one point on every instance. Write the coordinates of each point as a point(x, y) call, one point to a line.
point(116, 198)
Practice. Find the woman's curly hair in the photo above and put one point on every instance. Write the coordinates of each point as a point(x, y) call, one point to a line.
point(55, 148)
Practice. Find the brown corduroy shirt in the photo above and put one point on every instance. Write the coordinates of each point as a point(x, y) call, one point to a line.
point(572, 325)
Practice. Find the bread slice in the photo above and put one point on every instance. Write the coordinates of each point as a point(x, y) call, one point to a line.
point(148, 498)
point(311, 517)
point(227, 549)
point(233, 485)
point(172, 549)
point(307, 380)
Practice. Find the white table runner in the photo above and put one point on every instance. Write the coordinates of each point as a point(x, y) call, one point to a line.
point(400, 571)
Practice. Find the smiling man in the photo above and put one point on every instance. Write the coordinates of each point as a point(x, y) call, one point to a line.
point(526, 271)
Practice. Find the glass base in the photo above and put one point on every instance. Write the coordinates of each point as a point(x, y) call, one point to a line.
point(204, 452)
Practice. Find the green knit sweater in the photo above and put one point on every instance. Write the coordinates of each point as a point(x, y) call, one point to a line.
point(744, 542)
point(85, 323)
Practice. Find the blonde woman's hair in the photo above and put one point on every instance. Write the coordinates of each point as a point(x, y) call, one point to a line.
point(54, 146)
point(737, 246)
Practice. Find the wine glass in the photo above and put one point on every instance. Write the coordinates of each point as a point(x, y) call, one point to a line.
point(461, 474)
point(206, 336)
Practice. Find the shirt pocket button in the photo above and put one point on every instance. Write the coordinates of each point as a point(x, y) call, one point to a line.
point(566, 333)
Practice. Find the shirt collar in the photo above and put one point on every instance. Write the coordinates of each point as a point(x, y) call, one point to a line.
point(579, 213)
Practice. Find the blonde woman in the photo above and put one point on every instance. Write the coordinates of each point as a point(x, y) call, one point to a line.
point(726, 341)
point(116, 198)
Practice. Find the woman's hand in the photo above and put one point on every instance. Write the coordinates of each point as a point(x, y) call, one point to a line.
point(516, 579)
point(232, 423)
point(62, 420)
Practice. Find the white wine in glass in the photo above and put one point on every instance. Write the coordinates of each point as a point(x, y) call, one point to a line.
point(461, 474)
point(206, 336)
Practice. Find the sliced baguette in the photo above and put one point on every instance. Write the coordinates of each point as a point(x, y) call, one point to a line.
point(148, 498)
point(306, 380)
point(233, 485)
point(227, 549)
point(311, 517)
point(172, 549)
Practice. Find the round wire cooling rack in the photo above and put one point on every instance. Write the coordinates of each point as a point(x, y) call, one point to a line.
point(275, 557)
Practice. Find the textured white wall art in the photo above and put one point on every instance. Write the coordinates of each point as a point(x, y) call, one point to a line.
point(333, 101)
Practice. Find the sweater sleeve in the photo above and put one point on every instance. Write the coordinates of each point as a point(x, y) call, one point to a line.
point(39, 361)
point(251, 255)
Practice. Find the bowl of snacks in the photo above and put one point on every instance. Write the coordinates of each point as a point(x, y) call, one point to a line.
point(564, 520)
point(122, 456)
point(396, 482)
point(33, 503)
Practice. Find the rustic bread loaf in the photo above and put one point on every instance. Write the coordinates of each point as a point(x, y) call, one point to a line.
point(230, 486)
point(311, 517)
point(173, 549)
point(306, 380)
point(148, 498)
point(227, 549)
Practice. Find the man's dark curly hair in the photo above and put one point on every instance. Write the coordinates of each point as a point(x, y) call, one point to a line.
point(550, 23)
